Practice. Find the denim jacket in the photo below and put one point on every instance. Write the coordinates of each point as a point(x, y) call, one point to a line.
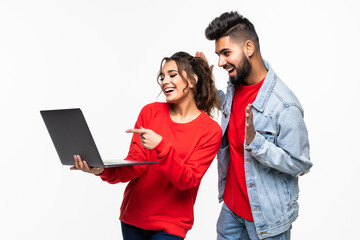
point(274, 159)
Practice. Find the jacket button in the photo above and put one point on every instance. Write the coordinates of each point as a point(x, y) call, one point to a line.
point(256, 209)
point(251, 185)
point(248, 160)
point(262, 233)
point(225, 113)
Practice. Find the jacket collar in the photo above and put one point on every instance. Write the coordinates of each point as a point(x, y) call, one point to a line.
point(266, 89)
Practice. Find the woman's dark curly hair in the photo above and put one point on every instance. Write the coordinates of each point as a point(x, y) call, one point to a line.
point(205, 92)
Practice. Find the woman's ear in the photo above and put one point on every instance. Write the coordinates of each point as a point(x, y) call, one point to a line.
point(196, 80)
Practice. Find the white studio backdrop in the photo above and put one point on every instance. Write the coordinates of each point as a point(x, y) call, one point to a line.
point(103, 56)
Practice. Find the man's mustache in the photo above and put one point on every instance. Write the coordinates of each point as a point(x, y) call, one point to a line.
point(228, 65)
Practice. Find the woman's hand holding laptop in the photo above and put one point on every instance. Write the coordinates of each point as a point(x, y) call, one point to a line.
point(82, 165)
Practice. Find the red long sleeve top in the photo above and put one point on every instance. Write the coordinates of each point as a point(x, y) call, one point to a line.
point(235, 194)
point(161, 196)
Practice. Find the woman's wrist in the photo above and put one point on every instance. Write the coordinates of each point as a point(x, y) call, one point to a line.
point(100, 171)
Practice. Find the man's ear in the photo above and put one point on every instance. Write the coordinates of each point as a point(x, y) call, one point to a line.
point(249, 48)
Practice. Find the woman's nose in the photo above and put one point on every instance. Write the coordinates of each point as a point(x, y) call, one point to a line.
point(165, 80)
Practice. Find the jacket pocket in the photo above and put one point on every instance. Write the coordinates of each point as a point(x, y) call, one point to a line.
point(269, 136)
point(291, 188)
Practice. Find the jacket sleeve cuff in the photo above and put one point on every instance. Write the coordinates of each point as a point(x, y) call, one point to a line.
point(256, 144)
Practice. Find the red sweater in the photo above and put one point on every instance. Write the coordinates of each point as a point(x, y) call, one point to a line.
point(161, 196)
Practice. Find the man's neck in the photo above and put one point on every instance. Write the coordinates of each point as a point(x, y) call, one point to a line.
point(257, 73)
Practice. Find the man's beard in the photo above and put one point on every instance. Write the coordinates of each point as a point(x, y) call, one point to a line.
point(242, 71)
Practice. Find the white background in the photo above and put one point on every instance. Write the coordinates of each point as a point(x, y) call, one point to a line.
point(103, 56)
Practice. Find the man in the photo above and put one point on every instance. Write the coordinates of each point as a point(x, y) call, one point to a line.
point(265, 142)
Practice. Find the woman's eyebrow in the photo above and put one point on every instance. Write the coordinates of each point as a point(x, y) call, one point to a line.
point(169, 71)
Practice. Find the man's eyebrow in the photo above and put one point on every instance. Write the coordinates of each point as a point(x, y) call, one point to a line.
point(222, 50)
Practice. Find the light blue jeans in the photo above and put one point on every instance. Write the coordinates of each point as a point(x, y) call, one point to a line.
point(233, 227)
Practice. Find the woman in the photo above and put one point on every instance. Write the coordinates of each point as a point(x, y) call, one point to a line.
point(180, 135)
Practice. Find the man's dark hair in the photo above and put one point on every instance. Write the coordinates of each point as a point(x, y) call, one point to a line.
point(233, 25)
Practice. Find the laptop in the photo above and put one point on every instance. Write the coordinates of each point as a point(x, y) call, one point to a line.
point(71, 136)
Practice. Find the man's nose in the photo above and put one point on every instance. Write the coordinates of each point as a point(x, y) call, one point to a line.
point(222, 61)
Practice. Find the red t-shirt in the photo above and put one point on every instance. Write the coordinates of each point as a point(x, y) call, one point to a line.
point(161, 196)
point(235, 194)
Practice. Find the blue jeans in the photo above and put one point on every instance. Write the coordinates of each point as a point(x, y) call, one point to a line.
point(131, 232)
point(233, 227)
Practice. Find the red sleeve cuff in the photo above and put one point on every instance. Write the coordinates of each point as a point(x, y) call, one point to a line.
point(162, 148)
point(105, 173)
